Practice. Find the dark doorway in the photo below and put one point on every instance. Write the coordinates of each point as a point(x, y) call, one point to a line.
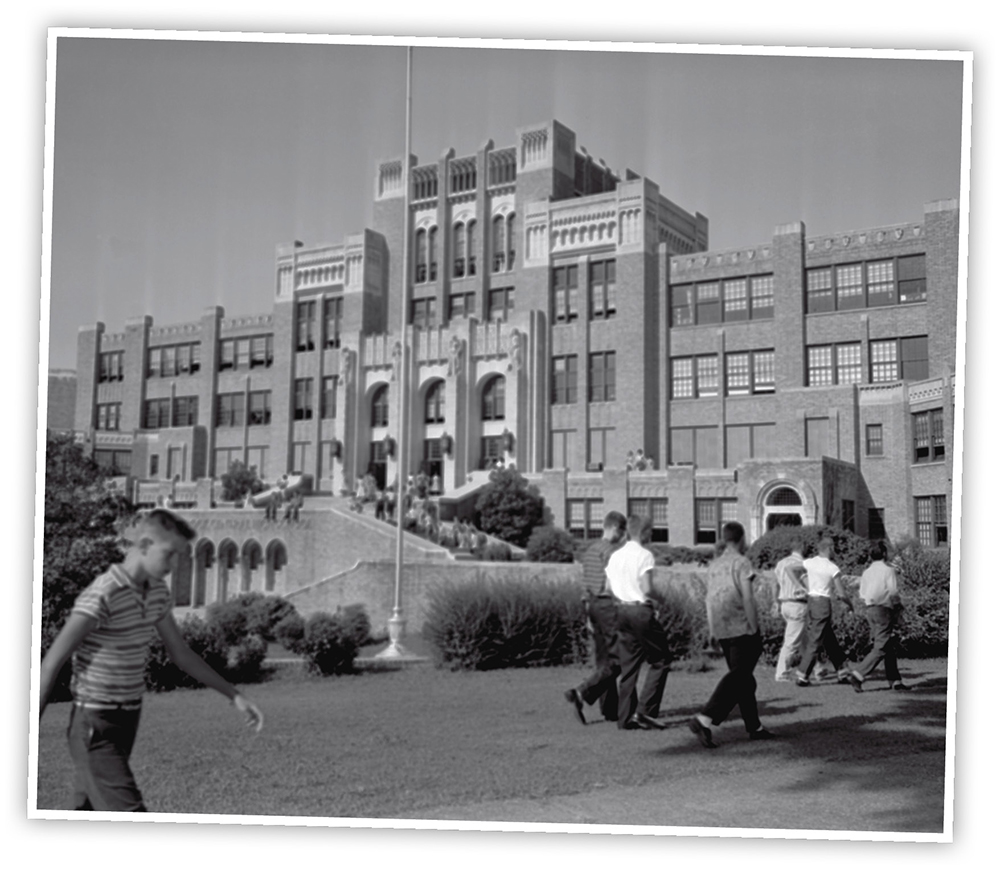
point(775, 520)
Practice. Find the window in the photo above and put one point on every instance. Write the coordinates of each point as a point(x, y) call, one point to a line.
point(749, 372)
point(490, 450)
point(881, 283)
point(656, 511)
point(186, 411)
point(432, 464)
point(261, 351)
point(682, 305)
point(707, 368)
point(154, 465)
point(303, 398)
point(762, 297)
point(257, 458)
point(912, 279)
point(302, 460)
point(564, 290)
point(493, 405)
point(172, 360)
point(510, 242)
point(682, 378)
point(225, 457)
point(698, 445)
point(157, 414)
point(847, 514)
point(734, 296)
point(380, 406)
point(602, 376)
point(461, 305)
point(111, 366)
point(227, 355)
point(117, 462)
point(421, 257)
point(585, 517)
point(873, 439)
point(710, 515)
point(499, 244)
point(928, 436)
point(333, 313)
point(564, 380)
point(832, 364)
point(751, 441)
point(914, 358)
point(458, 244)
point(187, 360)
point(597, 448)
point(434, 404)
point(229, 409)
point(708, 307)
point(501, 303)
point(818, 437)
point(109, 416)
point(819, 290)
point(423, 312)
point(305, 320)
point(603, 297)
point(850, 287)
point(168, 361)
point(885, 361)
point(899, 359)
point(260, 412)
point(563, 448)
point(876, 523)
point(932, 520)
point(328, 400)
point(432, 257)
point(473, 243)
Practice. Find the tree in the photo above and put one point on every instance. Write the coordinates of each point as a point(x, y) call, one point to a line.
point(240, 480)
point(85, 516)
point(509, 508)
point(550, 544)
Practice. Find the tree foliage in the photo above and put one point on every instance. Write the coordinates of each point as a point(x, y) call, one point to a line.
point(509, 508)
point(240, 480)
point(550, 544)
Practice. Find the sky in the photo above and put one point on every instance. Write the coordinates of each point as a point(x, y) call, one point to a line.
point(179, 165)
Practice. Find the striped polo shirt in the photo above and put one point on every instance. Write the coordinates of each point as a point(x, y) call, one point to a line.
point(109, 665)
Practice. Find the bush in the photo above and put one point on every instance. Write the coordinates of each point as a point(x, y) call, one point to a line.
point(162, 674)
point(850, 550)
point(666, 554)
point(329, 644)
point(489, 624)
point(243, 663)
point(681, 612)
point(925, 585)
point(509, 508)
point(239, 480)
point(290, 632)
point(356, 623)
point(550, 544)
point(249, 613)
point(496, 551)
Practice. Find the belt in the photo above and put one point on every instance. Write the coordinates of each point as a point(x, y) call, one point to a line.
point(793, 601)
point(108, 705)
point(604, 595)
point(635, 603)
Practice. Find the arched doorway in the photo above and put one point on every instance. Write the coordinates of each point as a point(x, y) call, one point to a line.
point(434, 418)
point(204, 558)
point(379, 429)
point(229, 557)
point(782, 507)
point(250, 562)
point(276, 559)
point(180, 580)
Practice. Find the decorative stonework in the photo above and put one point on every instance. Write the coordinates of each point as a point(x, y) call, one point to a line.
point(346, 365)
point(397, 358)
point(514, 351)
point(456, 349)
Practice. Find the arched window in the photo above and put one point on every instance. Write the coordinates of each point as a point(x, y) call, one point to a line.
point(493, 398)
point(204, 557)
point(434, 406)
point(458, 239)
point(251, 561)
point(784, 495)
point(499, 244)
point(277, 558)
point(228, 559)
point(471, 259)
point(432, 256)
point(380, 406)
point(510, 241)
point(421, 257)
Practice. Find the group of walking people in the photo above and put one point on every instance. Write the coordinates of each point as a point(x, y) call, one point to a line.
point(622, 599)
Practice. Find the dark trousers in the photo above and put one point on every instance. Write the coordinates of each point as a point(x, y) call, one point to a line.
point(641, 638)
point(602, 684)
point(882, 624)
point(819, 627)
point(100, 743)
point(738, 686)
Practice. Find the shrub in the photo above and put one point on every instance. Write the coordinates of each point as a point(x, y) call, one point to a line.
point(668, 554)
point(496, 551)
point(356, 623)
point(550, 544)
point(681, 612)
point(489, 624)
point(509, 508)
point(239, 480)
point(925, 585)
point(162, 674)
point(290, 632)
point(244, 660)
point(329, 644)
point(850, 550)
point(249, 613)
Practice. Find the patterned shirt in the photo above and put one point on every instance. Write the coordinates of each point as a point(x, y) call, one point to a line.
point(724, 596)
point(595, 560)
point(109, 665)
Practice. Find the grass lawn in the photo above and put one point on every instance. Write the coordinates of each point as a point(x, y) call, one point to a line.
point(429, 743)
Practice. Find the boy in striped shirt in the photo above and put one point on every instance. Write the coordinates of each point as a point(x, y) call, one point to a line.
point(108, 634)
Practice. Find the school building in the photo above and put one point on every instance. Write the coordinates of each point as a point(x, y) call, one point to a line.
point(561, 316)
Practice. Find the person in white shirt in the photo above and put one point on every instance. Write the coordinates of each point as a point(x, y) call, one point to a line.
point(794, 602)
point(879, 589)
point(823, 580)
point(641, 638)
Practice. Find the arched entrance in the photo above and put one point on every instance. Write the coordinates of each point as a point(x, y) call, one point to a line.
point(204, 557)
point(276, 559)
point(250, 562)
point(782, 507)
point(229, 556)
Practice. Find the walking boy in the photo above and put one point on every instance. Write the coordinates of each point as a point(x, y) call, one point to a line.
point(823, 580)
point(108, 634)
point(879, 590)
point(732, 620)
point(641, 638)
point(794, 608)
point(603, 614)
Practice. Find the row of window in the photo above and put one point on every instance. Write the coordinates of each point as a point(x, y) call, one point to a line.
point(601, 291)
point(167, 413)
point(928, 437)
point(867, 284)
point(167, 361)
point(600, 378)
point(747, 372)
point(731, 300)
point(424, 314)
point(256, 351)
point(307, 333)
point(464, 244)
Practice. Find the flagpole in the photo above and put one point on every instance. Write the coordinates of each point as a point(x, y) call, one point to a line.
point(397, 622)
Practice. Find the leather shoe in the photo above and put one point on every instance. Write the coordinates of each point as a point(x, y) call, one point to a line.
point(901, 687)
point(761, 734)
point(576, 699)
point(648, 723)
point(856, 682)
point(701, 732)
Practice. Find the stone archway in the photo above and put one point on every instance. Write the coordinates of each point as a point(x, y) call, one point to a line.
point(783, 503)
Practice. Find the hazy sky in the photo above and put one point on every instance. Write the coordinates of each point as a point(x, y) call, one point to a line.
point(180, 165)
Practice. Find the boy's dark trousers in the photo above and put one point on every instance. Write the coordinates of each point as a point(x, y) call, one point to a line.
point(820, 630)
point(738, 686)
point(641, 638)
point(881, 625)
point(602, 683)
point(100, 743)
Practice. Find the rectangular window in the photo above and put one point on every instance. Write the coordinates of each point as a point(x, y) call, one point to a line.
point(117, 462)
point(490, 450)
point(227, 354)
point(881, 283)
point(932, 520)
point(738, 374)
point(682, 378)
point(501, 302)
point(154, 356)
point(585, 517)
point(710, 515)
point(657, 512)
point(873, 439)
point(876, 523)
point(819, 290)
point(847, 514)
point(564, 379)
point(154, 465)
point(229, 409)
point(602, 289)
point(565, 306)
point(912, 276)
point(242, 353)
point(563, 448)
point(109, 416)
point(303, 398)
point(602, 376)
point(168, 362)
point(899, 359)
point(184, 359)
point(884, 361)
point(305, 326)
point(257, 458)
point(833, 364)
point(423, 312)
point(734, 294)
point(707, 376)
point(259, 413)
point(111, 366)
point(707, 449)
point(328, 403)
point(850, 288)
point(752, 441)
point(928, 436)
point(302, 460)
point(708, 305)
point(682, 305)
point(762, 297)
point(849, 363)
point(186, 411)
point(461, 305)
point(913, 356)
point(597, 449)
point(157, 414)
point(261, 351)
point(818, 437)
